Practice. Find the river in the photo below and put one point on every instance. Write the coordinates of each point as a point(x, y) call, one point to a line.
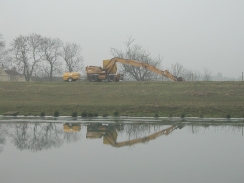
point(121, 150)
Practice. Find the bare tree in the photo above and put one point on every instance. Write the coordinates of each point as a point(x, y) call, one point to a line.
point(136, 52)
point(71, 54)
point(26, 51)
point(196, 76)
point(207, 74)
point(3, 52)
point(177, 69)
point(2, 48)
point(187, 74)
point(2, 42)
point(190, 75)
point(51, 51)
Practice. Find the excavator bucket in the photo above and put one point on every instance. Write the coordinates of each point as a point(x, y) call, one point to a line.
point(180, 79)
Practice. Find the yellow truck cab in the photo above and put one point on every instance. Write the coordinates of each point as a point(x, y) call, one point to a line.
point(71, 76)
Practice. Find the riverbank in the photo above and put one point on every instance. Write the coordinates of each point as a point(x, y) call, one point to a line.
point(141, 99)
point(121, 120)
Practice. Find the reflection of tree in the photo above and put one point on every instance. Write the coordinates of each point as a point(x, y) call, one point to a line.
point(71, 137)
point(37, 137)
point(140, 130)
point(2, 137)
point(70, 132)
point(40, 136)
point(198, 127)
point(195, 128)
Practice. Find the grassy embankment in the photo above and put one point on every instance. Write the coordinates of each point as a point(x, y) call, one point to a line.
point(189, 99)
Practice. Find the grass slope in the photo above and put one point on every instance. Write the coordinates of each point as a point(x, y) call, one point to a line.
point(195, 99)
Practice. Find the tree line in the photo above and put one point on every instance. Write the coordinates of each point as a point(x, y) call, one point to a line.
point(35, 55)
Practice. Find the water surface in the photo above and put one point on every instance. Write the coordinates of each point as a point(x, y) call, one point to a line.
point(131, 150)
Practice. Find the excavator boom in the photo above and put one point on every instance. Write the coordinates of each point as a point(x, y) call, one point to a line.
point(135, 63)
point(109, 134)
point(111, 139)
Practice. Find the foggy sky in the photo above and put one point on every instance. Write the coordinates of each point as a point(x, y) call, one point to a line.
point(196, 34)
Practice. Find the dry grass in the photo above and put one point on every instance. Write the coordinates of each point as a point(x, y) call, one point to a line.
point(208, 99)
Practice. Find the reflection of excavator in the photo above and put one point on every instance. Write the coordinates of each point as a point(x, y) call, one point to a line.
point(108, 72)
point(109, 134)
point(72, 127)
point(97, 130)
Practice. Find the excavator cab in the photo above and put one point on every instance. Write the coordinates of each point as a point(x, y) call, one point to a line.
point(95, 130)
point(99, 130)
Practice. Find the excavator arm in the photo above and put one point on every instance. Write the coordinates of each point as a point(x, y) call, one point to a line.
point(111, 138)
point(135, 63)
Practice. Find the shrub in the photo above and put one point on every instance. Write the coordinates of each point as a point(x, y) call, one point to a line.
point(74, 114)
point(182, 115)
point(42, 114)
point(90, 115)
point(116, 113)
point(105, 115)
point(84, 114)
point(228, 116)
point(95, 115)
point(156, 115)
point(56, 114)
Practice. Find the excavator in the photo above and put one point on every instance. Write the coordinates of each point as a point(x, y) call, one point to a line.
point(109, 70)
point(109, 134)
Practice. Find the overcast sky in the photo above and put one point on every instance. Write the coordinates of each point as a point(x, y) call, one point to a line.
point(195, 33)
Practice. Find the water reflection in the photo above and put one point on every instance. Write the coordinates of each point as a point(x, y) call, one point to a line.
point(233, 128)
point(41, 136)
point(110, 132)
point(36, 137)
point(69, 150)
point(70, 132)
point(2, 137)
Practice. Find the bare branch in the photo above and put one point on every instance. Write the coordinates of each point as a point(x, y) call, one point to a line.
point(51, 51)
point(71, 54)
point(207, 74)
point(136, 52)
point(26, 51)
point(3, 52)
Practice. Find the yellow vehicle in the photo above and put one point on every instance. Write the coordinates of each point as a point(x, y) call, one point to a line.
point(71, 76)
point(109, 70)
point(109, 134)
point(72, 127)
point(97, 73)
